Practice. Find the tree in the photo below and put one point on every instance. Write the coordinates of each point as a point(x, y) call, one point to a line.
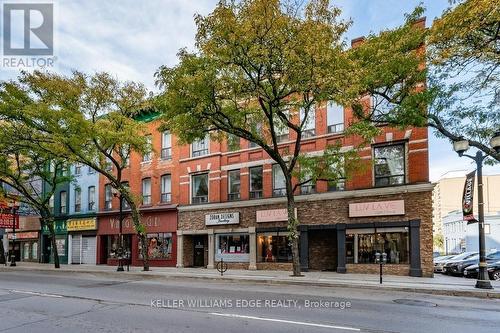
point(463, 67)
point(260, 69)
point(84, 119)
point(34, 173)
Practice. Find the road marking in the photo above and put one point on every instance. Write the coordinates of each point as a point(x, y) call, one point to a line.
point(34, 293)
point(285, 321)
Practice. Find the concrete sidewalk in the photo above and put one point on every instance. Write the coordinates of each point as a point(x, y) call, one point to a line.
point(439, 285)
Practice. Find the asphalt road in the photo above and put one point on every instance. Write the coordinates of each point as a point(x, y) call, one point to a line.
point(82, 302)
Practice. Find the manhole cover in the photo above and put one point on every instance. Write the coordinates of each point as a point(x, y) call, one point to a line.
point(414, 302)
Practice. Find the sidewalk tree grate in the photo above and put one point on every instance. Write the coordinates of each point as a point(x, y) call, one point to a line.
point(414, 302)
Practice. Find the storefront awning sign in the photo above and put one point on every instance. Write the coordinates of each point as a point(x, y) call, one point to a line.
point(24, 235)
point(377, 208)
point(222, 218)
point(81, 224)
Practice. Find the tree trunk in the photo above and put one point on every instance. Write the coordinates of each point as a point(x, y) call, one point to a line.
point(51, 226)
point(293, 223)
point(2, 253)
point(141, 232)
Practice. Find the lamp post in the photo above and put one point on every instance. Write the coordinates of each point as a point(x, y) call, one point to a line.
point(120, 236)
point(14, 205)
point(461, 146)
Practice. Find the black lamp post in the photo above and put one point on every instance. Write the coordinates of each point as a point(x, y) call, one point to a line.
point(14, 206)
point(120, 236)
point(461, 146)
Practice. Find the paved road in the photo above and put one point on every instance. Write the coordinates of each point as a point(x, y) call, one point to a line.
point(81, 302)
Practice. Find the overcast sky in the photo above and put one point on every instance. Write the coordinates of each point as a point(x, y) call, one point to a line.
point(131, 39)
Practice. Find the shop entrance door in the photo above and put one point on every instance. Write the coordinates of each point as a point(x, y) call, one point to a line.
point(199, 251)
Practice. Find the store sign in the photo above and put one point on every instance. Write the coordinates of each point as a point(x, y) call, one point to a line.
point(24, 235)
point(222, 218)
point(377, 208)
point(81, 224)
point(6, 220)
point(273, 215)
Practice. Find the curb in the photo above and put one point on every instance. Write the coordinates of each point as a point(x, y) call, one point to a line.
point(154, 276)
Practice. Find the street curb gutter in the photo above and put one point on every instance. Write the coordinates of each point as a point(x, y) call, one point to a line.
point(154, 276)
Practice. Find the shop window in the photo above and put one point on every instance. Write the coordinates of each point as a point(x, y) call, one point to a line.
point(389, 165)
point(273, 247)
point(146, 191)
point(334, 117)
point(108, 197)
point(114, 244)
point(78, 200)
point(362, 247)
point(200, 147)
point(61, 245)
point(159, 245)
point(255, 182)
point(148, 155)
point(199, 188)
point(166, 146)
point(309, 126)
point(233, 247)
point(234, 185)
point(91, 198)
point(26, 250)
point(279, 182)
point(166, 188)
point(63, 209)
point(34, 250)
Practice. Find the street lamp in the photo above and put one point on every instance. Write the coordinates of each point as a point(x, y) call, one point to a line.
point(14, 205)
point(461, 146)
point(118, 194)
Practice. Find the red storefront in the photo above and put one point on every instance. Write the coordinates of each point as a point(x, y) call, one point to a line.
point(161, 226)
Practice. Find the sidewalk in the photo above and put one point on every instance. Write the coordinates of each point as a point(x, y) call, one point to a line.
point(439, 285)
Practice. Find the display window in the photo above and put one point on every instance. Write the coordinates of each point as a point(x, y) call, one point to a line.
point(233, 247)
point(159, 245)
point(114, 244)
point(273, 247)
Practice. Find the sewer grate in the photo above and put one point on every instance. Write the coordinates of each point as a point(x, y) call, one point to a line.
point(414, 302)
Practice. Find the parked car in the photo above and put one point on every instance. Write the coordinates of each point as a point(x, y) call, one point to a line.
point(456, 265)
point(493, 261)
point(440, 261)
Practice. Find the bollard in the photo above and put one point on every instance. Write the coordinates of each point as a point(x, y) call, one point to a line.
point(221, 267)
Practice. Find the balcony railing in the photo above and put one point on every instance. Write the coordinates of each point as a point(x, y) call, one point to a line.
point(108, 205)
point(91, 206)
point(199, 199)
point(166, 197)
point(166, 153)
point(201, 152)
point(146, 199)
point(336, 128)
point(308, 133)
point(233, 196)
point(338, 186)
point(257, 194)
point(307, 189)
point(279, 192)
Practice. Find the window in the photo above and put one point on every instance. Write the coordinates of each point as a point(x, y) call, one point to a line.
point(166, 146)
point(63, 205)
point(273, 247)
point(114, 244)
point(78, 200)
point(233, 142)
point(125, 155)
point(159, 245)
point(363, 244)
point(389, 165)
point(309, 127)
point(380, 106)
point(200, 147)
point(234, 185)
point(148, 155)
point(34, 250)
point(258, 129)
point(199, 188)
point(279, 182)
point(78, 169)
point(146, 191)
point(166, 188)
point(108, 197)
point(233, 248)
point(91, 198)
point(339, 170)
point(51, 203)
point(255, 182)
point(334, 117)
point(309, 187)
point(125, 204)
point(280, 128)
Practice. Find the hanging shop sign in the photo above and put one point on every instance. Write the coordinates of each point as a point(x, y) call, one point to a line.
point(468, 198)
point(6, 220)
point(81, 224)
point(377, 208)
point(222, 218)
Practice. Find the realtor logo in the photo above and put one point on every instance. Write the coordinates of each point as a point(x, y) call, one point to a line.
point(28, 29)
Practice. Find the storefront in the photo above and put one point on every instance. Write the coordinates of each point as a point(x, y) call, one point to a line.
point(340, 232)
point(61, 234)
point(82, 240)
point(27, 245)
point(160, 227)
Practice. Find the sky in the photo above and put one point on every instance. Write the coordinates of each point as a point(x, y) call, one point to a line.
point(131, 39)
